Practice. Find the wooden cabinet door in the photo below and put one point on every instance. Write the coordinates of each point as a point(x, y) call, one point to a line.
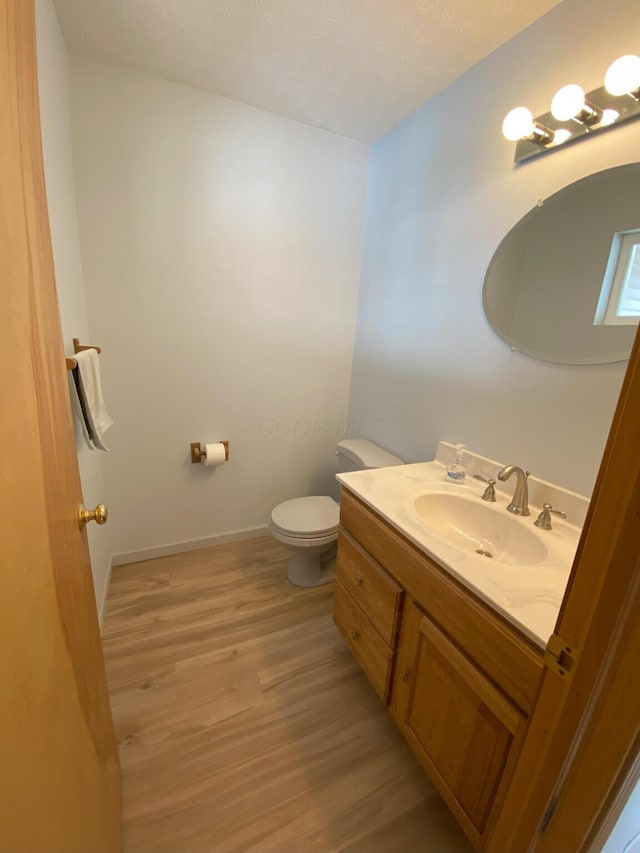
point(59, 773)
point(461, 727)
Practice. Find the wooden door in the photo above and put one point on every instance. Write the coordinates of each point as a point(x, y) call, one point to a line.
point(584, 735)
point(465, 732)
point(58, 759)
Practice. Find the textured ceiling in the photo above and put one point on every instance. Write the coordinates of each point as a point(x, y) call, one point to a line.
point(354, 67)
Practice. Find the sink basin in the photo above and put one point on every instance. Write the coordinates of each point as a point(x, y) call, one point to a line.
point(473, 526)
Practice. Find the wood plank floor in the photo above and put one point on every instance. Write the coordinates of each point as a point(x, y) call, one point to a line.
point(243, 722)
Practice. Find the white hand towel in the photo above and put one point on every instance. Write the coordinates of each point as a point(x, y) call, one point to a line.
point(90, 390)
point(76, 407)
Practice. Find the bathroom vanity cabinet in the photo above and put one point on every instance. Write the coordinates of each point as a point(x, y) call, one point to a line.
point(459, 680)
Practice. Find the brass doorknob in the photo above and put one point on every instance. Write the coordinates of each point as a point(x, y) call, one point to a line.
point(100, 515)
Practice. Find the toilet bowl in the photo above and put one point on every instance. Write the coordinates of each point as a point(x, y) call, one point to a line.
point(308, 526)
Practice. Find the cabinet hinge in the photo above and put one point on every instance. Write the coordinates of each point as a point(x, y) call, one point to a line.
point(560, 656)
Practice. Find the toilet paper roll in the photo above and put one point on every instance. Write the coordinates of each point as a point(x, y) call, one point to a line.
point(214, 454)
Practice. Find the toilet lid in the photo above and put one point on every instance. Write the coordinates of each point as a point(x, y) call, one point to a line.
point(307, 516)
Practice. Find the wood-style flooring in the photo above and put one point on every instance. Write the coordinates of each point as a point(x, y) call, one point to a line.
point(243, 722)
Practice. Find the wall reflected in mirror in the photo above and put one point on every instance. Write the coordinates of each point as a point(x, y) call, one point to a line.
point(551, 280)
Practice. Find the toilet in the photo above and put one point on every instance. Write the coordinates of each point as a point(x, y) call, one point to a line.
point(309, 526)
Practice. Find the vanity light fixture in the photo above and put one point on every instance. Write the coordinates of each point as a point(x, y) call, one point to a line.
point(575, 114)
point(561, 136)
point(608, 117)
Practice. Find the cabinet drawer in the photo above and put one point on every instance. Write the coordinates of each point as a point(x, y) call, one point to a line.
point(370, 650)
point(370, 586)
point(508, 658)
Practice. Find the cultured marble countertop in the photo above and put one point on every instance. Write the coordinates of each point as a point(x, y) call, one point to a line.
point(528, 596)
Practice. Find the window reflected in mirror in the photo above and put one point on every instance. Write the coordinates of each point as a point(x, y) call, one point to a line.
point(619, 303)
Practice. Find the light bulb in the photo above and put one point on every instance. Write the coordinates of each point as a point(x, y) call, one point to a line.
point(518, 124)
point(567, 102)
point(623, 76)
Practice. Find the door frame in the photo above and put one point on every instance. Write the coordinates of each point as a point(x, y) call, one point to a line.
point(575, 766)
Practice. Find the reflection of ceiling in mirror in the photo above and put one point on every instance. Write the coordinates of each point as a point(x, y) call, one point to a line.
point(543, 286)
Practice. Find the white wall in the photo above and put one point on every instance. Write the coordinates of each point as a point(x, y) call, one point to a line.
point(443, 193)
point(625, 837)
point(221, 248)
point(53, 80)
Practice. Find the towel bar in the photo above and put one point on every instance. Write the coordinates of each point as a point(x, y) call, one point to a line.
point(77, 347)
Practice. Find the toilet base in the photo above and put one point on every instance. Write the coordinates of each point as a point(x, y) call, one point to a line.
point(312, 569)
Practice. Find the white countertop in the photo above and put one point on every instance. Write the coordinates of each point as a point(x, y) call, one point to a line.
point(528, 596)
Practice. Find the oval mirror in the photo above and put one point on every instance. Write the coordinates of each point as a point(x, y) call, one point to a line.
point(564, 284)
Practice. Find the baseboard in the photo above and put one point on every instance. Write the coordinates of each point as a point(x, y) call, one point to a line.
point(189, 545)
point(105, 591)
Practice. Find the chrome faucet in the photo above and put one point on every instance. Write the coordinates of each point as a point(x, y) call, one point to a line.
point(489, 493)
point(520, 502)
point(543, 521)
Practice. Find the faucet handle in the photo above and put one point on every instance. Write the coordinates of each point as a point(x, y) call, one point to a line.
point(543, 521)
point(490, 492)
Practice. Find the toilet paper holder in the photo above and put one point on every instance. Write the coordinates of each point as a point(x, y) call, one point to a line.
point(198, 453)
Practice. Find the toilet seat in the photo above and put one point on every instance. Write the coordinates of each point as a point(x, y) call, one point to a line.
point(300, 544)
point(315, 517)
point(309, 527)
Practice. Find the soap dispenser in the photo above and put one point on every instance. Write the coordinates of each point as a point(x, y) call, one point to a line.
point(456, 472)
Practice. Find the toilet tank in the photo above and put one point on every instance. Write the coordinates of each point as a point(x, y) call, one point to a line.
point(356, 454)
